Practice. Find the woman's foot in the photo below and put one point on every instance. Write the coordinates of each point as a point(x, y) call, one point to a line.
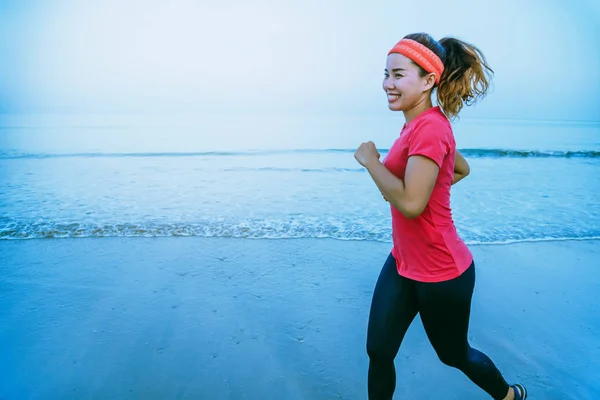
point(520, 391)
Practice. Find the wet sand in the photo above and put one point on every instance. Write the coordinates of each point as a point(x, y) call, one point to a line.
point(215, 318)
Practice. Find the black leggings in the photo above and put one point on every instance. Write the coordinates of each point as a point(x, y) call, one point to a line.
point(444, 308)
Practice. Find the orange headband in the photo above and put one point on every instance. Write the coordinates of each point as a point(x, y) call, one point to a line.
point(420, 54)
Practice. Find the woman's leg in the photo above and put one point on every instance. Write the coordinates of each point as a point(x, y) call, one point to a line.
point(392, 310)
point(445, 308)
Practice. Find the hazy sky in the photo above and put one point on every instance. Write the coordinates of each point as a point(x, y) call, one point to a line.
point(316, 56)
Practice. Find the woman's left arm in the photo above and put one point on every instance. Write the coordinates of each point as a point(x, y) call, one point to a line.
point(461, 167)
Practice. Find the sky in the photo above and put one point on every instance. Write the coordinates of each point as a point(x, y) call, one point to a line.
point(261, 56)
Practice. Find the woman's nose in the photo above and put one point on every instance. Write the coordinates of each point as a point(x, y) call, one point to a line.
point(388, 84)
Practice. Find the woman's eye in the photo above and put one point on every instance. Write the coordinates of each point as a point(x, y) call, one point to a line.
point(398, 76)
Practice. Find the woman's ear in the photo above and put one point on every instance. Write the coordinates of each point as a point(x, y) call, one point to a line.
point(429, 81)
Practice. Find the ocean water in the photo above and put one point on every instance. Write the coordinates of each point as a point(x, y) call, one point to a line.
point(281, 177)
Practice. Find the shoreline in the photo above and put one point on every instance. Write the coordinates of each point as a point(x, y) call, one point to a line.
point(497, 243)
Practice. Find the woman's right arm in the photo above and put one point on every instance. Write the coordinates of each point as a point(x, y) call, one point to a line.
point(461, 167)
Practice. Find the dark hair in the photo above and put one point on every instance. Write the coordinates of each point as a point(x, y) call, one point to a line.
point(466, 73)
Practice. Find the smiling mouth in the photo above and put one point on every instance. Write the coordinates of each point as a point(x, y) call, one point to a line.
point(392, 97)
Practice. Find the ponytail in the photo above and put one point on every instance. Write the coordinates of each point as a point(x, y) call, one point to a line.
point(466, 75)
point(465, 79)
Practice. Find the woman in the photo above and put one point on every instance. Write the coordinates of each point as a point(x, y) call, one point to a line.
point(430, 269)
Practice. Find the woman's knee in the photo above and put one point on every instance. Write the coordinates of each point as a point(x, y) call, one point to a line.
point(379, 349)
point(453, 358)
point(460, 356)
point(375, 348)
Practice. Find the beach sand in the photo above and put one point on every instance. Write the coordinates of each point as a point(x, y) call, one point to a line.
point(217, 318)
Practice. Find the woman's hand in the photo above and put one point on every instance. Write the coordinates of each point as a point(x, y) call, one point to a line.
point(366, 154)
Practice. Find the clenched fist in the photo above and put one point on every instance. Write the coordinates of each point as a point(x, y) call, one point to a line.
point(366, 153)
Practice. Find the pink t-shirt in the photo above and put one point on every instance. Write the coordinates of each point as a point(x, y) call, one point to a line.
point(428, 248)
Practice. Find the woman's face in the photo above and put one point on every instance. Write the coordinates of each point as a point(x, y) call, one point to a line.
point(402, 83)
